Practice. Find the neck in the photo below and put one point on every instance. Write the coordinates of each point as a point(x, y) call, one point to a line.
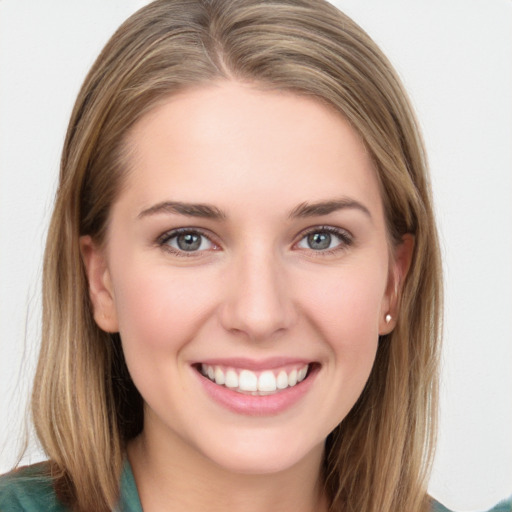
point(172, 476)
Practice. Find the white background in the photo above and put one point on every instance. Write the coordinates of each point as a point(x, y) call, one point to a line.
point(455, 57)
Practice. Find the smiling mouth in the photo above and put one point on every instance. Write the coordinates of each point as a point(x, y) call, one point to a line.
point(261, 383)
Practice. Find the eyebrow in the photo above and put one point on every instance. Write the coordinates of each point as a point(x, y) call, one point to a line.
point(207, 211)
point(326, 207)
point(202, 210)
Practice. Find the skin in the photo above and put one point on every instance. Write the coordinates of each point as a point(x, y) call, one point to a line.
point(255, 289)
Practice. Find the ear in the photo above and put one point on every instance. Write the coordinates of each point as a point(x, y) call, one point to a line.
point(398, 269)
point(100, 285)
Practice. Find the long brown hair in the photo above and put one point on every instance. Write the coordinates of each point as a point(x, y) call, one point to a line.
point(85, 406)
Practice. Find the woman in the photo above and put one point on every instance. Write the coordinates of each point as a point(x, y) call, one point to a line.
point(242, 280)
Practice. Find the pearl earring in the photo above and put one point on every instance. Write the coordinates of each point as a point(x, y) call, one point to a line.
point(388, 318)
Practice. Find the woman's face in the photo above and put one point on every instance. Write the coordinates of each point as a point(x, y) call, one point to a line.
point(248, 271)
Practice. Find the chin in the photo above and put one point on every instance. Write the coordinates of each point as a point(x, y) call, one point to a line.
point(255, 456)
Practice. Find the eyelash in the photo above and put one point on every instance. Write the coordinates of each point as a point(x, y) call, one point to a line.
point(164, 239)
point(345, 238)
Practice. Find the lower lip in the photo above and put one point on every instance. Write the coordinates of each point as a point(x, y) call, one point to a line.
point(254, 405)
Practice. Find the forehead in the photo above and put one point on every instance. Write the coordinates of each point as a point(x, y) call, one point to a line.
point(231, 143)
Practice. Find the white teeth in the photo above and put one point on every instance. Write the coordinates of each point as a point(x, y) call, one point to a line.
point(267, 381)
point(231, 379)
point(219, 376)
point(247, 381)
point(282, 380)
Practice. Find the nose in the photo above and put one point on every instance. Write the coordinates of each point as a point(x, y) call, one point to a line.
point(258, 302)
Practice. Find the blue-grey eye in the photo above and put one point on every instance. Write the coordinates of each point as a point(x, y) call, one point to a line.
point(323, 239)
point(319, 241)
point(189, 242)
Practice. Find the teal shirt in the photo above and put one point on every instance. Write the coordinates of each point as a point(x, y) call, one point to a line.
point(25, 490)
point(503, 506)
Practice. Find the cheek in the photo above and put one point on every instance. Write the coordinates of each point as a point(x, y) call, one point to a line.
point(159, 310)
point(159, 313)
point(345, 307)
point(348, 300)
point(346, 312)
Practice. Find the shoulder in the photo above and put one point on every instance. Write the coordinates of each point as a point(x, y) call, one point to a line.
point(29, 489)
point(502, 506)
point(435, 506)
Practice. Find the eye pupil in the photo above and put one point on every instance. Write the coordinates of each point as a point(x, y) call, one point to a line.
point(319, 241)
point(189, 242)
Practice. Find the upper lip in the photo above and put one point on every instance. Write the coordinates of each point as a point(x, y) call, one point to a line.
point(254, 364)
